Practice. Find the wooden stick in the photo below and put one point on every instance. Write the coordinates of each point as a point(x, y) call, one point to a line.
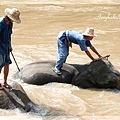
point(15, 62)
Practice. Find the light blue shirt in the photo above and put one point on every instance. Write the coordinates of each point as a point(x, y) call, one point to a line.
point(78, 38)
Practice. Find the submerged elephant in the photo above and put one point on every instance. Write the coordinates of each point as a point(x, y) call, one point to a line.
point(15, 98)
point(99, 74)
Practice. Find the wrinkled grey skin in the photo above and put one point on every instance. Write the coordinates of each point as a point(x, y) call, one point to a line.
point(16, 98)
point(99, 74)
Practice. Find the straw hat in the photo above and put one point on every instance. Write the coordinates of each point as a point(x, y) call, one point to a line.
point(89, 32)
point(13, 14)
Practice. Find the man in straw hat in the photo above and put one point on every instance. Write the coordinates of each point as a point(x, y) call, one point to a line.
point(6, 24)
point(66, 38)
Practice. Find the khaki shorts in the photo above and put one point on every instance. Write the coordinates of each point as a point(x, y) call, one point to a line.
point(4, 59)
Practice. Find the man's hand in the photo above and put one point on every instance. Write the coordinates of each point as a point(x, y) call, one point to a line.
point(70, 44)
point(99, 55)
point(11, 49)
point(94, 60)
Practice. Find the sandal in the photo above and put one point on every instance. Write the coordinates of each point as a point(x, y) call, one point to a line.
point(7, 86)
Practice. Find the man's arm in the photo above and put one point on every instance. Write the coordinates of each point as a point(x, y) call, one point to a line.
point(10, 45)
point(89, 55)
point(95, 51)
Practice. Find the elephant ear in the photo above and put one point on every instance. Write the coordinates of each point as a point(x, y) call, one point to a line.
point(96, 70)
point(101, 71)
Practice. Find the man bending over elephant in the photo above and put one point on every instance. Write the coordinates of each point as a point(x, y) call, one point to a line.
point(66, 38)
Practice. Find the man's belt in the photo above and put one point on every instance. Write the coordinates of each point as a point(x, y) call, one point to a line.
point(67, 36)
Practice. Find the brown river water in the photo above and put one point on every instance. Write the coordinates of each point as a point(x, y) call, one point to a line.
point(35, 40)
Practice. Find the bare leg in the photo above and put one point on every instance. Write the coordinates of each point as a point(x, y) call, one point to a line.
point(0, 70)
point(6, 71)
point(0, 83)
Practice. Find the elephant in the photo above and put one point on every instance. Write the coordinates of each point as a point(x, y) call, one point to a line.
point(99, 74)
point(14, 98)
